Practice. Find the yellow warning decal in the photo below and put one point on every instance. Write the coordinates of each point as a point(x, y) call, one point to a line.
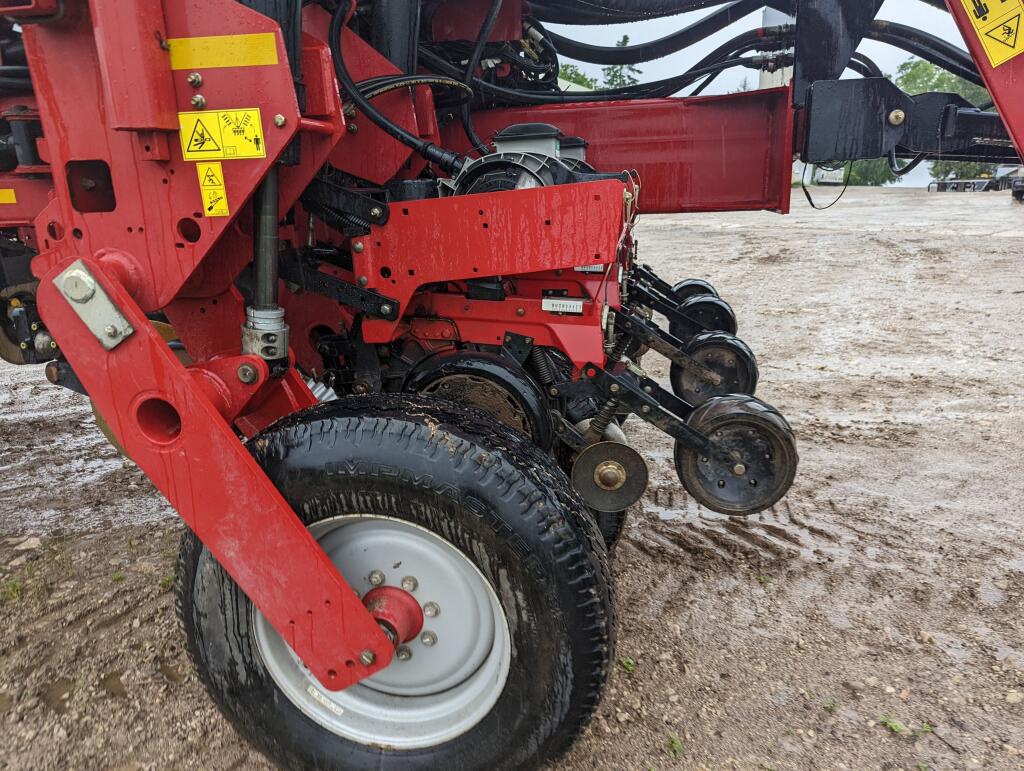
point(222, 134)
point(7, 195)
point(205, 53)
point(215, 194)
point(998, 24)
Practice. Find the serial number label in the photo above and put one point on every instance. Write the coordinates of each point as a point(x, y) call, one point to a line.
point(562, 305)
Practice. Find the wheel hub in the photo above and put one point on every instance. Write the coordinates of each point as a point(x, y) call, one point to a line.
point(453, 645)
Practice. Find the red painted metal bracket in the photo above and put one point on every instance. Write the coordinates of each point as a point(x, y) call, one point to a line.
point(711, 153)
point(163, 417)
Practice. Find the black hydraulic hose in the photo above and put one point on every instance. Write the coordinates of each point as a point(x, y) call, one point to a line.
point(656, 49)
point(614, 11)
point(927, 47)
point(474, 61)
point(901, 171)
point(868, 65)
point(447, 160)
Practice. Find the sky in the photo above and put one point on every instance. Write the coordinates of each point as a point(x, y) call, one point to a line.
point(910, 12)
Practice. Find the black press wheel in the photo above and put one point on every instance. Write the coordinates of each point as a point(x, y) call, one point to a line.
point(761, 462)
point(509, 568)
point(684, 290)
point(705, 313)
point(725, 355)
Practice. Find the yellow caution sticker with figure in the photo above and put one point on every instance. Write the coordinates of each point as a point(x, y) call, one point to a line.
point(215, 194)
point(222, 134)
point(998, 24)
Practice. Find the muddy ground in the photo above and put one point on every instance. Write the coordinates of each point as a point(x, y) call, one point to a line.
point(872, 620)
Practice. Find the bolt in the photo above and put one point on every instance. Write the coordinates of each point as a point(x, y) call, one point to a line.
point(198, 101)
point(409, 583)
point(110, 330)
point(403, 653)
point(367, 657)
point(194, 79)
point(248, 374)
point(376, 577)
point(79, 286)
point(610, 475)
point(349, 110)
point(280, 120)
point(23, 346)
point(648, 390)
point(88, 184)
point(34, 327)
point(645, 409)
point(739, 469)
point(385, 310)
point(897, 117)
point(358, 247)
point(352, 128)
point(520, 311)
point(363, 281)
point(431, 609)
point(359, 388)
point(53, 344)
point(429, 639)
point(529, 341)
point(614, 388)
point(553, 391)
point(376, 211)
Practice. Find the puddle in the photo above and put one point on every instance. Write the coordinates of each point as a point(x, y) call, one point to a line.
point(111, 683)
point(57, 693)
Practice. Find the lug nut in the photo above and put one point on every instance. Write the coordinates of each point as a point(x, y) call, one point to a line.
point(403, 653)
point(198, 101)
point(376, 577)
point(431, 609)
point(410, 584)
point(367, 657)
point(429, 639)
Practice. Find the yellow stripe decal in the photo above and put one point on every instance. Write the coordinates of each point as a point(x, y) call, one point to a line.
point(204, 53)
point(7, 195)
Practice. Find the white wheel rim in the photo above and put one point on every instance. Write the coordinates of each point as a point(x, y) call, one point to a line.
point(444, 689)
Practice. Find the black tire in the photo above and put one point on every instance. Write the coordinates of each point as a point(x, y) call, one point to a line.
point(724, 354)
point(684, 290)
point(706, 313)
point(502, 389)
point(765, 445)
point(493, 496)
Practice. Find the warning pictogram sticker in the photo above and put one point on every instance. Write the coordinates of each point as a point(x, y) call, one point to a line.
point(222, 134)
point(997, 23)
point(215, 194)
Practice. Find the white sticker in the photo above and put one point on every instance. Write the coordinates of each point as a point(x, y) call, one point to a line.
point(562, 305)
point(591, 269)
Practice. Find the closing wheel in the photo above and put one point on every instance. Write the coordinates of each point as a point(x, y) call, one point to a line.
point(725, 355)
point(498, 584)
point(707, 313)
point(684, 290)
point(759, 462)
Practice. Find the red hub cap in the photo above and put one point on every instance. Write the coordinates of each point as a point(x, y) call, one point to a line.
point(396, 611)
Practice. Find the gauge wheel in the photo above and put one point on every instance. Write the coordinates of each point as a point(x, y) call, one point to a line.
point(684, 290)
point(483, 531)
point(761, 457)
point(725, 355)
point(704, 313)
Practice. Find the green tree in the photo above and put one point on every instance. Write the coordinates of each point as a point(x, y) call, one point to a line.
point(873, 173)
point(574, 74)
point(621, 75)
point(916, 76)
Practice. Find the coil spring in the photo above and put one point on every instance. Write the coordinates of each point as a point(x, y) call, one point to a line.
point(600, 422)
point(542, 365)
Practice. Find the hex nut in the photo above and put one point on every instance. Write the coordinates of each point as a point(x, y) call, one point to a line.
point(404, 653)
point(429, 639)
point(376, 578)
point(280, 120)
point(431, 609)
point(198, 101)
point(410, 584)
point(195, 79)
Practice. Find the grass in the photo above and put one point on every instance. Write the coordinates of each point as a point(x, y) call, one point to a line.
point(675, 745)
point(167, 582)
point(118, 577)
point(11, 590)
point(628, 665)
point(893, 724)
point(831, 705)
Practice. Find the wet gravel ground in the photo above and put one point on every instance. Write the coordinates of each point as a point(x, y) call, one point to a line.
point(872, 620)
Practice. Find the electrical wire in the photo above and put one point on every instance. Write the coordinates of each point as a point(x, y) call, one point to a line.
point(901, 171)
point(807, 193)
point(447, 160)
